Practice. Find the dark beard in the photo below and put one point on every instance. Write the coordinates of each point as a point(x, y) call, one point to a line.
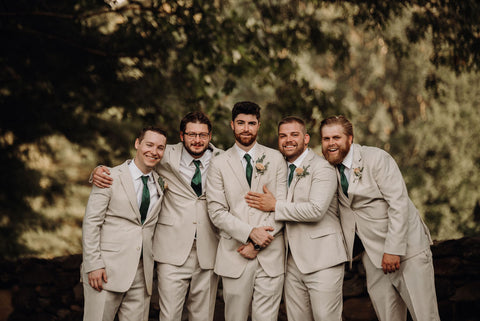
point(244, 142)
point(191, 152)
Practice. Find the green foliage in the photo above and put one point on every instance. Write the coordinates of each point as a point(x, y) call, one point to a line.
point(93, 75)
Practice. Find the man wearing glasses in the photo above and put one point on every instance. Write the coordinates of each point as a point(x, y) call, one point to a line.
point(185, 241)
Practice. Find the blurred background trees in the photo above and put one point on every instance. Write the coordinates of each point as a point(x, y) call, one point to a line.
point(78, 78)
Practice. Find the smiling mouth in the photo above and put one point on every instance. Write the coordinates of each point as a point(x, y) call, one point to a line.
point(332, 149)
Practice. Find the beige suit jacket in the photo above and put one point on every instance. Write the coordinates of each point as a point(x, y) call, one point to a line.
point(113, 235)
point(228, 210)
point(312, 226)
point(184, 215)
point(379, 208)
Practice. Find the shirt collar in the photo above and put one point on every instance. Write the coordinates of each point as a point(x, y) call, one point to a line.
point(300, 158)
point(242, 153)
point(136, 172)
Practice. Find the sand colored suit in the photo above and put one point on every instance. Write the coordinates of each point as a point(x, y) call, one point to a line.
point(114, 237)
point(314, 239)
point(379, 210)
point(228, 210)
point(183, 223)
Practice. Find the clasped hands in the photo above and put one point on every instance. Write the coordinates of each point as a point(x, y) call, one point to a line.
point(259, 235)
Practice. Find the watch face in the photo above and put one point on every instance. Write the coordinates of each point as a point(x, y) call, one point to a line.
point(257, 247)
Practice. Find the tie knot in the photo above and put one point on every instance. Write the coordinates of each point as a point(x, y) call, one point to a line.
point(292, 167)
point(247, 157)
point(145, 179)
point(341, 167)
point(197, 163)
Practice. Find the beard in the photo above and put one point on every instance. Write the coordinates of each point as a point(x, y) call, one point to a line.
point(337, 159)
point(194, 153)
point(245, 141)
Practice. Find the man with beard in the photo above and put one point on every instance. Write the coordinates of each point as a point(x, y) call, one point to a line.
point(314, 240)
point(250, 256)
point(374, 205)
point(185, 241)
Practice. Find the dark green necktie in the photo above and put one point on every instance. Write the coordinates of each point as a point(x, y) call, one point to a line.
point(343, 179)
point(145, 199)
point(197, 179)
point(290, 176)
point(248, 169)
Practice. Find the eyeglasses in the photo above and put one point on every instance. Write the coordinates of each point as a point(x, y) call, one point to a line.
point(202, 136)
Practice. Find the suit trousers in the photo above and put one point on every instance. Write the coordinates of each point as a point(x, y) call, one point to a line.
point(255, 289)
point(412, 287)
point(133, 305)
point(175, 281)
point(314, 296)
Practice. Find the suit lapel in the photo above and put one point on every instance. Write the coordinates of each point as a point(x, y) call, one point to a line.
point(305, 163)
point(353, 181)
point(257, 176)
point(236, 165)
point(127, 183)
point(154, 209)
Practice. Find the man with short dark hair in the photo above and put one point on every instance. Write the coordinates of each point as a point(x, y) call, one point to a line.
point(117, 268)
point(374, 205)
point(313, 235)
point(185, 241)
point(250, 256)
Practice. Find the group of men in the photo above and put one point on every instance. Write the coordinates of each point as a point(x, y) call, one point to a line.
point(267, 222)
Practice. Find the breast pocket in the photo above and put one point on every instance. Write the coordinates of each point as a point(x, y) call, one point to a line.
point(322, 233)
point(166, 220)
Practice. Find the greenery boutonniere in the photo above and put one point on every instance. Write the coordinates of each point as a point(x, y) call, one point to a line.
point(358, 173)
point(302, 171)
point(162, 183)
point(259, 166)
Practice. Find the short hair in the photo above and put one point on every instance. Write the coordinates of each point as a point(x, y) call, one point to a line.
point(158, 130)
point(245, 107)
point(196, 117)
point(293, 119)
point(338, 120)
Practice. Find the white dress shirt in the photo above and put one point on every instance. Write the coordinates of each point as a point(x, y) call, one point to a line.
point(187, 167)
point(138, 185)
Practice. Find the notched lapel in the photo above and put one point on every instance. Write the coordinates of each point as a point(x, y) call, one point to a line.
point(236, 165)
point(357, 163)
point(127, 183)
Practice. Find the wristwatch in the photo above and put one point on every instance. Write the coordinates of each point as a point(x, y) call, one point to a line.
point(256, 247)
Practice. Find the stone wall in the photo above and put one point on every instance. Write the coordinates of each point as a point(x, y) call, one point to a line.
point(49, 290)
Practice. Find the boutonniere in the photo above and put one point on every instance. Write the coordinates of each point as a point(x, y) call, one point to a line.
point(259, 166)
point(302, 171)
point(162, 183)
point(358, 173)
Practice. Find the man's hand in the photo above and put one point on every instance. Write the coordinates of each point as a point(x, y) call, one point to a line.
point(95, 279)
point(265, 202)
point(260, 235)
point(247, 251)
point(390, 263)
point(101, 177)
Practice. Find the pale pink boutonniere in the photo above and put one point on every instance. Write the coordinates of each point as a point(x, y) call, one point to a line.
point(358, 173)
point(259, 166)
point(163, 184)
point(302, 171)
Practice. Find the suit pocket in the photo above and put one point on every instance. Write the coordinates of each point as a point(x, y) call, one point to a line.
point(322, 233)
point(225, 235)
point(166, 220)
point(110, 247)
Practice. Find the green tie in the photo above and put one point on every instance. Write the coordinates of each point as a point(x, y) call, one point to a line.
point(343, 179)
point(290, 176)
point(197, 179)
point(248, 169)
point(145, 199)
